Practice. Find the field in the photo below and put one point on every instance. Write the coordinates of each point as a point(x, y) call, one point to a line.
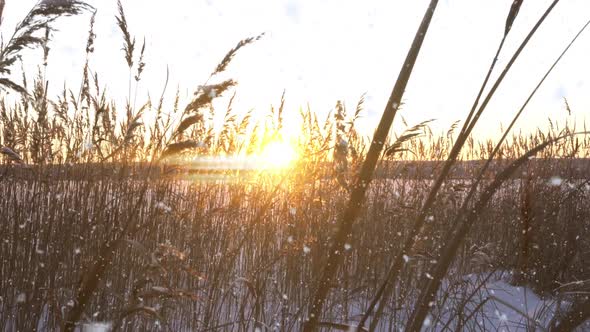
point(148, 218)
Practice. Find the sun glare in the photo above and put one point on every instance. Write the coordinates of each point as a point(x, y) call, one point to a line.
point(277, 155)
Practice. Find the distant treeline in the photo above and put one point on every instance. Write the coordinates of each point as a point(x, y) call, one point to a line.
point(570, 167)
point(419, 170)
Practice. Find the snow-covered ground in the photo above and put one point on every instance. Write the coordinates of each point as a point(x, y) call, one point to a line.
point(485, 302)
point(497, 305)
point(512, 308)
point(488, 302)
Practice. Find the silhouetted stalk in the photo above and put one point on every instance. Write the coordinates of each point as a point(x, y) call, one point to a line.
point(513, 122)
point(577, 314)
point(512, 14)
point(159, 108)
point(465, 222)
point(387, 286)
point(335, 253)
point(91, 279)
point(464, 302)
point(508, 66)
point(525, 220)
point(2, 3)
point(384, 289)
point(491, 157)
point(428, 293)
point(483, 86)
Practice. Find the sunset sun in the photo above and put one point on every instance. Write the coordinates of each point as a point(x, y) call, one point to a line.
point(294, 165)
point(277, 155)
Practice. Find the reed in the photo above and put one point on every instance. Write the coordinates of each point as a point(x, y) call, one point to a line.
point(102, 223)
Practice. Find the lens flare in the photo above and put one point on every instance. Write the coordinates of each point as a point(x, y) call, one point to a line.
point(277, 155)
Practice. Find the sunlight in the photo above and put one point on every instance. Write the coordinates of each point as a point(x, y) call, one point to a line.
point(277, 155)
point(224, 205)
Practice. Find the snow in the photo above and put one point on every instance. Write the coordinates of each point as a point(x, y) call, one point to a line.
point(555, 181)
point(21, 298)
point(96, 327)
point(504, 307)
point(163, 207)
point(496, 305)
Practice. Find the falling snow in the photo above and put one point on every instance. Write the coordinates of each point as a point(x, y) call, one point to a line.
point(555, 181)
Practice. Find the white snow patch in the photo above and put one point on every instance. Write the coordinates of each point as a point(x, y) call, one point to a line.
point(21, 298)
point(555, 181)
point(96, 327)
point(306, 250)
point(163, 207)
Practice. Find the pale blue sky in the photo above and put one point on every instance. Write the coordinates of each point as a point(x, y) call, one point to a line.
point(324, 50)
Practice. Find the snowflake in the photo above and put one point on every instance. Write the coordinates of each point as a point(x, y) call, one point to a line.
point(21, 298)
point(501, 316)
point(163, 207)
point(97, 327)
point(555, 181)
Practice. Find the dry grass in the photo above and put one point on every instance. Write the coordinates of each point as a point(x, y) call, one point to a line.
point(98, 225)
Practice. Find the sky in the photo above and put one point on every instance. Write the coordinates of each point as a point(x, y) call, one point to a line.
point(322, 51)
